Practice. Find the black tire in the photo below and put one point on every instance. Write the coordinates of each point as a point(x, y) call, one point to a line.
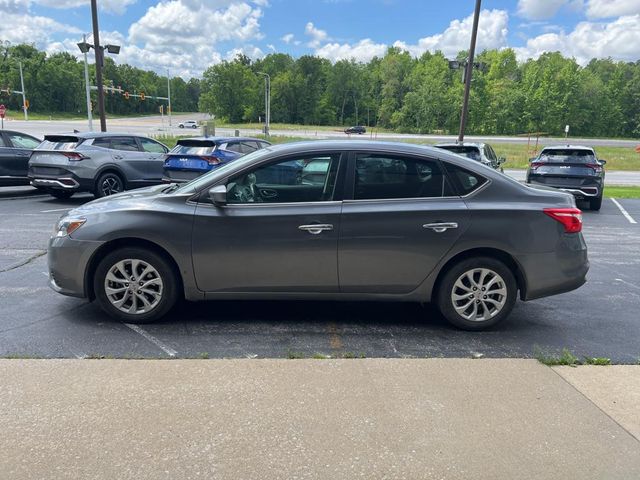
point(168, 289)
point(180, 126)
point(108, 183)
point(194, 127)
point(447, 289)
point(595, 203)
point(61, 194)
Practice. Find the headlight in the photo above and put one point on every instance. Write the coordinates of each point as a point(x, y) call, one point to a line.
point(67, 226)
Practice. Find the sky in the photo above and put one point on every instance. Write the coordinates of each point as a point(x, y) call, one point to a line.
point(186, 36)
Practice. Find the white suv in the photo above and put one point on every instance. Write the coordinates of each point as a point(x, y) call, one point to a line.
point(188, 124)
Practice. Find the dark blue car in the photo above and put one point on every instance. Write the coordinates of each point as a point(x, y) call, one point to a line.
point(192, 157)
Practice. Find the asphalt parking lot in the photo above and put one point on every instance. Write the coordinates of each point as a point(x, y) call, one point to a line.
point(600, 319)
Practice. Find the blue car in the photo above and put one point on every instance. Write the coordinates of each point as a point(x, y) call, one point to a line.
point(192, 157)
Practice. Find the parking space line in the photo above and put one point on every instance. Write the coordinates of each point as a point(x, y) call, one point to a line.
point(624, 212)
point(56, 210)
point(158, 343)
point(627, 283)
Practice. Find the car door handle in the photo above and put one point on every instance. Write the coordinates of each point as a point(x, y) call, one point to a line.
point(316, 228)
point(440, 227)
point(118, 157)
point(268, 193)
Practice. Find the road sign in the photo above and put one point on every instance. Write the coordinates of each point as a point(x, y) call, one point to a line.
point(3, 110)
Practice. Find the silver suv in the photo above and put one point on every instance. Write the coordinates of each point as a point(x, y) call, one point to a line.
point(101, 163)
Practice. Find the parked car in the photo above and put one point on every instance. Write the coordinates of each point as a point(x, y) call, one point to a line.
point(15, 150)
point(359, 129)
point(480, 152)
point(188, 124)
point(391, 221)
point(101, 163)
point(191, 157)
point(571, 168)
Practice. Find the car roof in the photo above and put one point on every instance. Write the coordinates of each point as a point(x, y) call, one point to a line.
point(87, 135)
point(567, 147)
point(220, 139)
point(459, 144)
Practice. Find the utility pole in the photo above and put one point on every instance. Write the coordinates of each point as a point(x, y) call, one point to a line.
point(24, 98)
point(169, 96)
point(99, 54)
point(267, 102)
point(469, 72)
point(87, 86)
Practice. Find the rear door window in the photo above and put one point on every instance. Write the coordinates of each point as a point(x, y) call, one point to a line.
point(233, 147)
point(389, 176)
point(2, 144)
point(248, 147)
point(127, 144)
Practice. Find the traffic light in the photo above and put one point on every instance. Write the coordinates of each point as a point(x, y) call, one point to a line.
point(126, 95)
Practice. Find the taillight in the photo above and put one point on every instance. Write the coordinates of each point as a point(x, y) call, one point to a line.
point(535, 165)
point(596, 167)
point(570, 218)
point(210, 159)
point(74, 156)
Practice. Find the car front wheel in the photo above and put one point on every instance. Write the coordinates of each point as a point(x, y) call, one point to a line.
point(135, 285)
point(477, 293)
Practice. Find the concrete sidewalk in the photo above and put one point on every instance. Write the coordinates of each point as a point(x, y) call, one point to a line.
point(326, 419)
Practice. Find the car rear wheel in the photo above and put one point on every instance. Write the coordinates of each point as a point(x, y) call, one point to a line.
point(194, 126)
point(595, 203)
point(61, 194)
point(477, 293)
point(108, 184)
point(135, 285)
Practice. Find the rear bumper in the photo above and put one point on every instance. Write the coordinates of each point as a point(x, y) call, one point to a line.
point(556, 272)
point(181, 176)
point(581, 188)
point(59, 179)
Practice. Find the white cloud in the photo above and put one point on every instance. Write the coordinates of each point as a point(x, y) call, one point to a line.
point(539, 9)
point(288, 38)
point(111, 6)
point(171, 33)
point(612, 8)
point(363, 51)
point(250, 51)
point(619, 39)
point(21, 28)
point(492, 33)
point(317, 36)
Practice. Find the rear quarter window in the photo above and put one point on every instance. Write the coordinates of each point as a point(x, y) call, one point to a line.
point(465, 181)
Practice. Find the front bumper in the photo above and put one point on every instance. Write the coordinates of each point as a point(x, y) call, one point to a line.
point(68, 260)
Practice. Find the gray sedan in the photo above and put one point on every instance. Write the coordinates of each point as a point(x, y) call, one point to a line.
point(389, 221)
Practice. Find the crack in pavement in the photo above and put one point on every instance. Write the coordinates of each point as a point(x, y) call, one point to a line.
point(24, 262)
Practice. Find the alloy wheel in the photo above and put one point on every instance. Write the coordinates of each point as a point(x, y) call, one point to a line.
point(133, 286)
point(111, 185)
point(479, 294)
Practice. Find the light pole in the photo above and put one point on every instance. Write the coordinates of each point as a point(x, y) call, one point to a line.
point(469, 72)
point(24, 98)
point(267, 102)
point(87, 86)
point(169, 96)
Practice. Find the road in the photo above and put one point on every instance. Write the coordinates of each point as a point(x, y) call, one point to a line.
point(599, 319)
point(156, 125)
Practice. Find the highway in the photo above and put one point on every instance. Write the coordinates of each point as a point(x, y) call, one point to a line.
point(155, 125)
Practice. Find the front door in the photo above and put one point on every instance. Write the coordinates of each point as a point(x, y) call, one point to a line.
point(402, 220)
point(277, 233)
point(15, 150)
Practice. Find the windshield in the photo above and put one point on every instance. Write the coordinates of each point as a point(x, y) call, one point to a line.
point(470, 152)
point(198, 183)
point(567, 156)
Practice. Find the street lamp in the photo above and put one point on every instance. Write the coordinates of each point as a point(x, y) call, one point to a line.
point(84, 48)
point(267, 102)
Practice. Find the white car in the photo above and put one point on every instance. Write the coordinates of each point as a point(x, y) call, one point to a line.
point(188, 124)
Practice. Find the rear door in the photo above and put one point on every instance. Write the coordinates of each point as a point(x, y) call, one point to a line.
point(155, 153)
point(135, 163)
point(401, 219)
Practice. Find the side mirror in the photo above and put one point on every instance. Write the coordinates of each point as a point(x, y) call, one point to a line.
point(218, 195)
point(602, 162)
point(501, 160)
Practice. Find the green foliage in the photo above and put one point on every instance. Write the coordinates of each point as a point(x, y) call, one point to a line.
point(396, 91)
point(565, 358)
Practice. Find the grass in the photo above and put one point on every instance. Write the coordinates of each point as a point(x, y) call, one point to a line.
point(622, 192)
point(567, 358)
